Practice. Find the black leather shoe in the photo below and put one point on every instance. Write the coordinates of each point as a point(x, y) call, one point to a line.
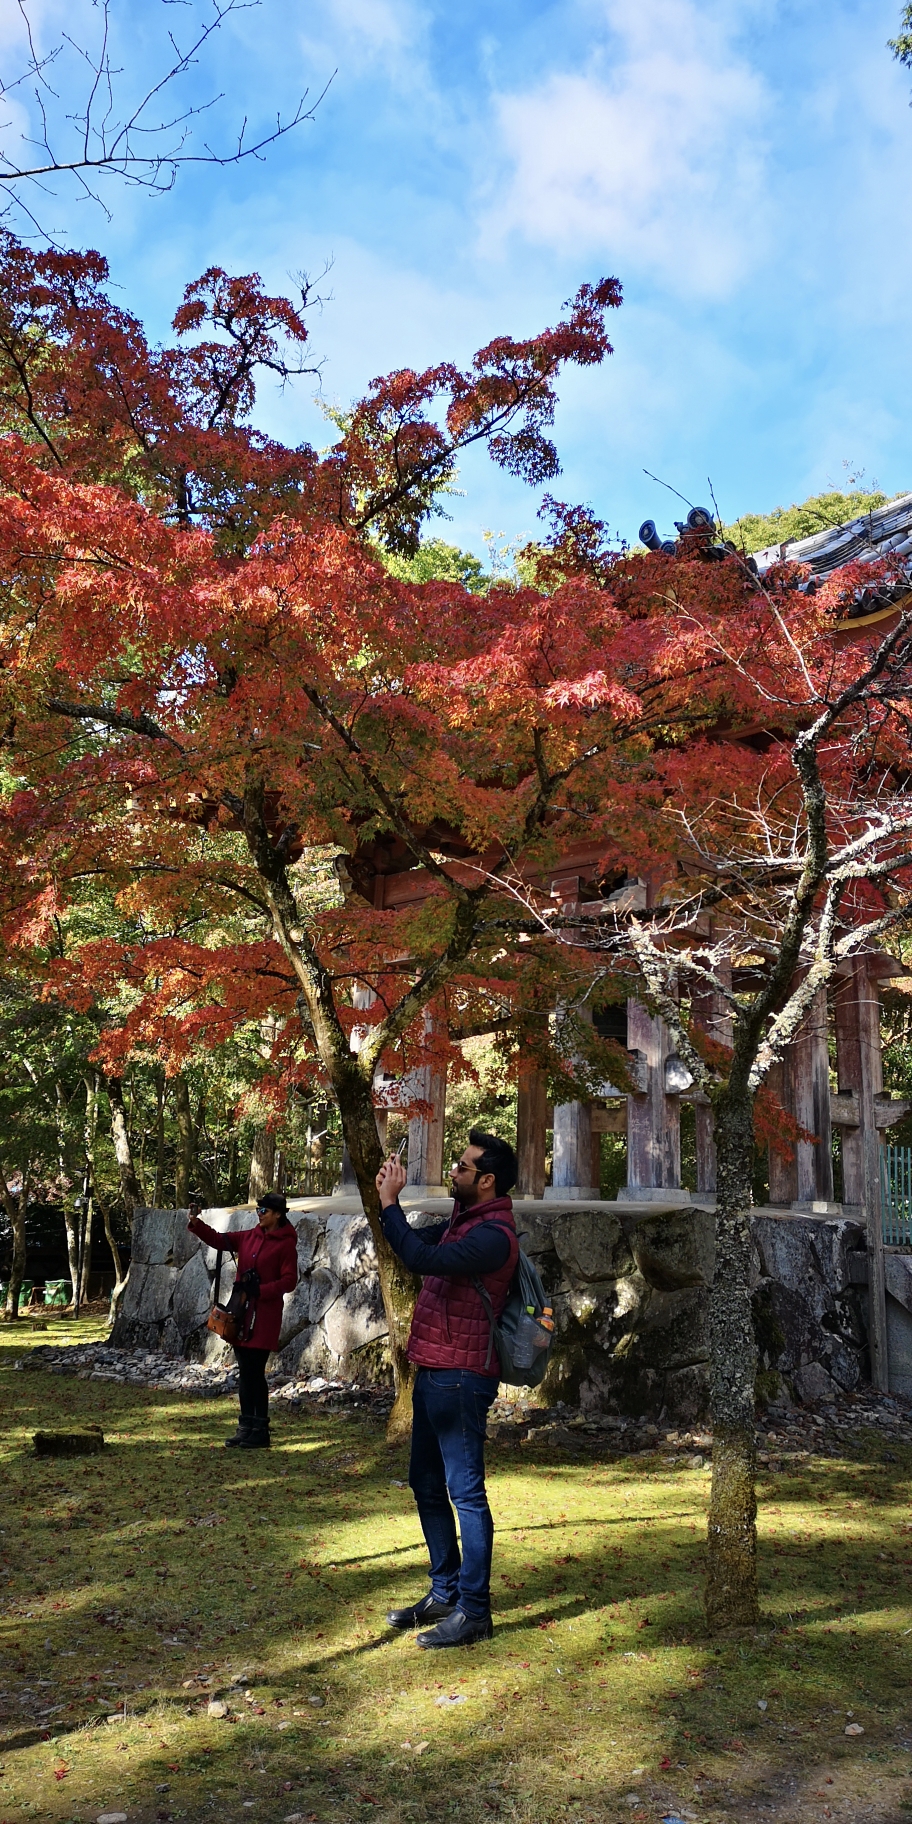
point(457, 1631)
point(240, 1436)
point(256, 1437)
point(428, 1609)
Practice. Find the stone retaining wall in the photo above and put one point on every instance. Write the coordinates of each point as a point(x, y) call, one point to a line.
point(628, 1284)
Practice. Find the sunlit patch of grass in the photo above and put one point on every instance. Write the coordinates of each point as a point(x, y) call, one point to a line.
point(164, 1575)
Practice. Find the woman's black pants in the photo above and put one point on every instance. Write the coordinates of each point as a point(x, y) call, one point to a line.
point(253, 1392)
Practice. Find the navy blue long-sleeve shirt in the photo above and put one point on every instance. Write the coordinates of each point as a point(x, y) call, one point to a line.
point(483, 1250)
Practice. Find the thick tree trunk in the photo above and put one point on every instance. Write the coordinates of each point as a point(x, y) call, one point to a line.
point(15, 1210)
point(91, 1130)
point(398, 1287)
point(731, 1583)
point(72, 1237)
point(158, 1191)
point(185, 1152)
point(231, 1186)
point(120, 1277)
point(262, 1164)
point(206, 1182)
point(131, 1190)
point(69, 1220)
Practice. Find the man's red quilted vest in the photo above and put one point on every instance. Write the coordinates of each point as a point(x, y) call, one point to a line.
point(450, 1327)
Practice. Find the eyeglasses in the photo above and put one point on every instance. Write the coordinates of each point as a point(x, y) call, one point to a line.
point(464, 1165)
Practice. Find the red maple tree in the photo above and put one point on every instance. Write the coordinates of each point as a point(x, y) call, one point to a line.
point(207, 670)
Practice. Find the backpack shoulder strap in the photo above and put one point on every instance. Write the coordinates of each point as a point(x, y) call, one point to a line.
point(485, 1297)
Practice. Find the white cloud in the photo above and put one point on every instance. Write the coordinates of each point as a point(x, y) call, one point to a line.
point(371, 35)
point(653, 155)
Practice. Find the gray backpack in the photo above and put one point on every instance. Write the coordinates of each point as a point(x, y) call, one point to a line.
point(523, 1345)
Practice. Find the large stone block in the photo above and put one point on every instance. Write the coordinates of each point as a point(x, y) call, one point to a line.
point(296, 1314)
point(309, 1231)
point(591, 1245)
point(535, 1227)
point(323, 1288)
point(791, 1338)
point(675, 1249)
point(192, 1299)
point(349, 1246)
point(808, 1254)
point(814, 1385)
point(354, 1320)
point(153, 1236)
point(299, 1355)
point(155, 1299)
point(185, 1244)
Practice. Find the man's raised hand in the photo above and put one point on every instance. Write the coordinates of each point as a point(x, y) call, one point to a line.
point(390, 1179)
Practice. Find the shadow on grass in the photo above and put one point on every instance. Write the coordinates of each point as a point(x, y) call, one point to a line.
point(598, 1665)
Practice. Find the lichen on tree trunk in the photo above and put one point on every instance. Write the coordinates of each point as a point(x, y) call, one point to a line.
point(398, 1287)
point(731, 1583)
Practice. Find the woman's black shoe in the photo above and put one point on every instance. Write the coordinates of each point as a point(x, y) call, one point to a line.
point(257, 1435)
point(457, 1630)
point(428, 1609)
point(240, 1436)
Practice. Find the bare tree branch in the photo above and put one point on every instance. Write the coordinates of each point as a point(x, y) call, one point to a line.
point(86, 129)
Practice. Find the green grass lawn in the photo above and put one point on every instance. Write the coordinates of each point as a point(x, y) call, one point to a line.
point(140, 1585)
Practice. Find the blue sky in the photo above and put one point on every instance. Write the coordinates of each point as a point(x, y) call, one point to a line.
point(744, 167)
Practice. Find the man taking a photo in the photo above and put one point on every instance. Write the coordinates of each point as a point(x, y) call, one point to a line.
point(458, 1372)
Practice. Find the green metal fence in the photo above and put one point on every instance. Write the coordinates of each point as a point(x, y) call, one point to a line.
point(896, 1195)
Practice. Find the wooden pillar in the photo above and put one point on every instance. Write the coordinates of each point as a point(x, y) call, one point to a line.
point(531, 1125)
point(811, 1088)
point(425, 1134)
point(596, 1172)
point(425, 1141)
point(860, 1069)
point(710, 1014)
point(572, 1173)
point(653, 1119)
point(783, 1173)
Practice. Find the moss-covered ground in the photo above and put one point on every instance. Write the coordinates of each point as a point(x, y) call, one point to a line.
point(141, 1585)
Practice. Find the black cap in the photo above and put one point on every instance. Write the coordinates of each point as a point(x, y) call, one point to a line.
point(273, 1200)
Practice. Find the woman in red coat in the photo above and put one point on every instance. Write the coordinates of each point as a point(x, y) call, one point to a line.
point(271, 1251)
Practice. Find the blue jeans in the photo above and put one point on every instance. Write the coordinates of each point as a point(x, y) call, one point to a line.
point(449, 1417)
